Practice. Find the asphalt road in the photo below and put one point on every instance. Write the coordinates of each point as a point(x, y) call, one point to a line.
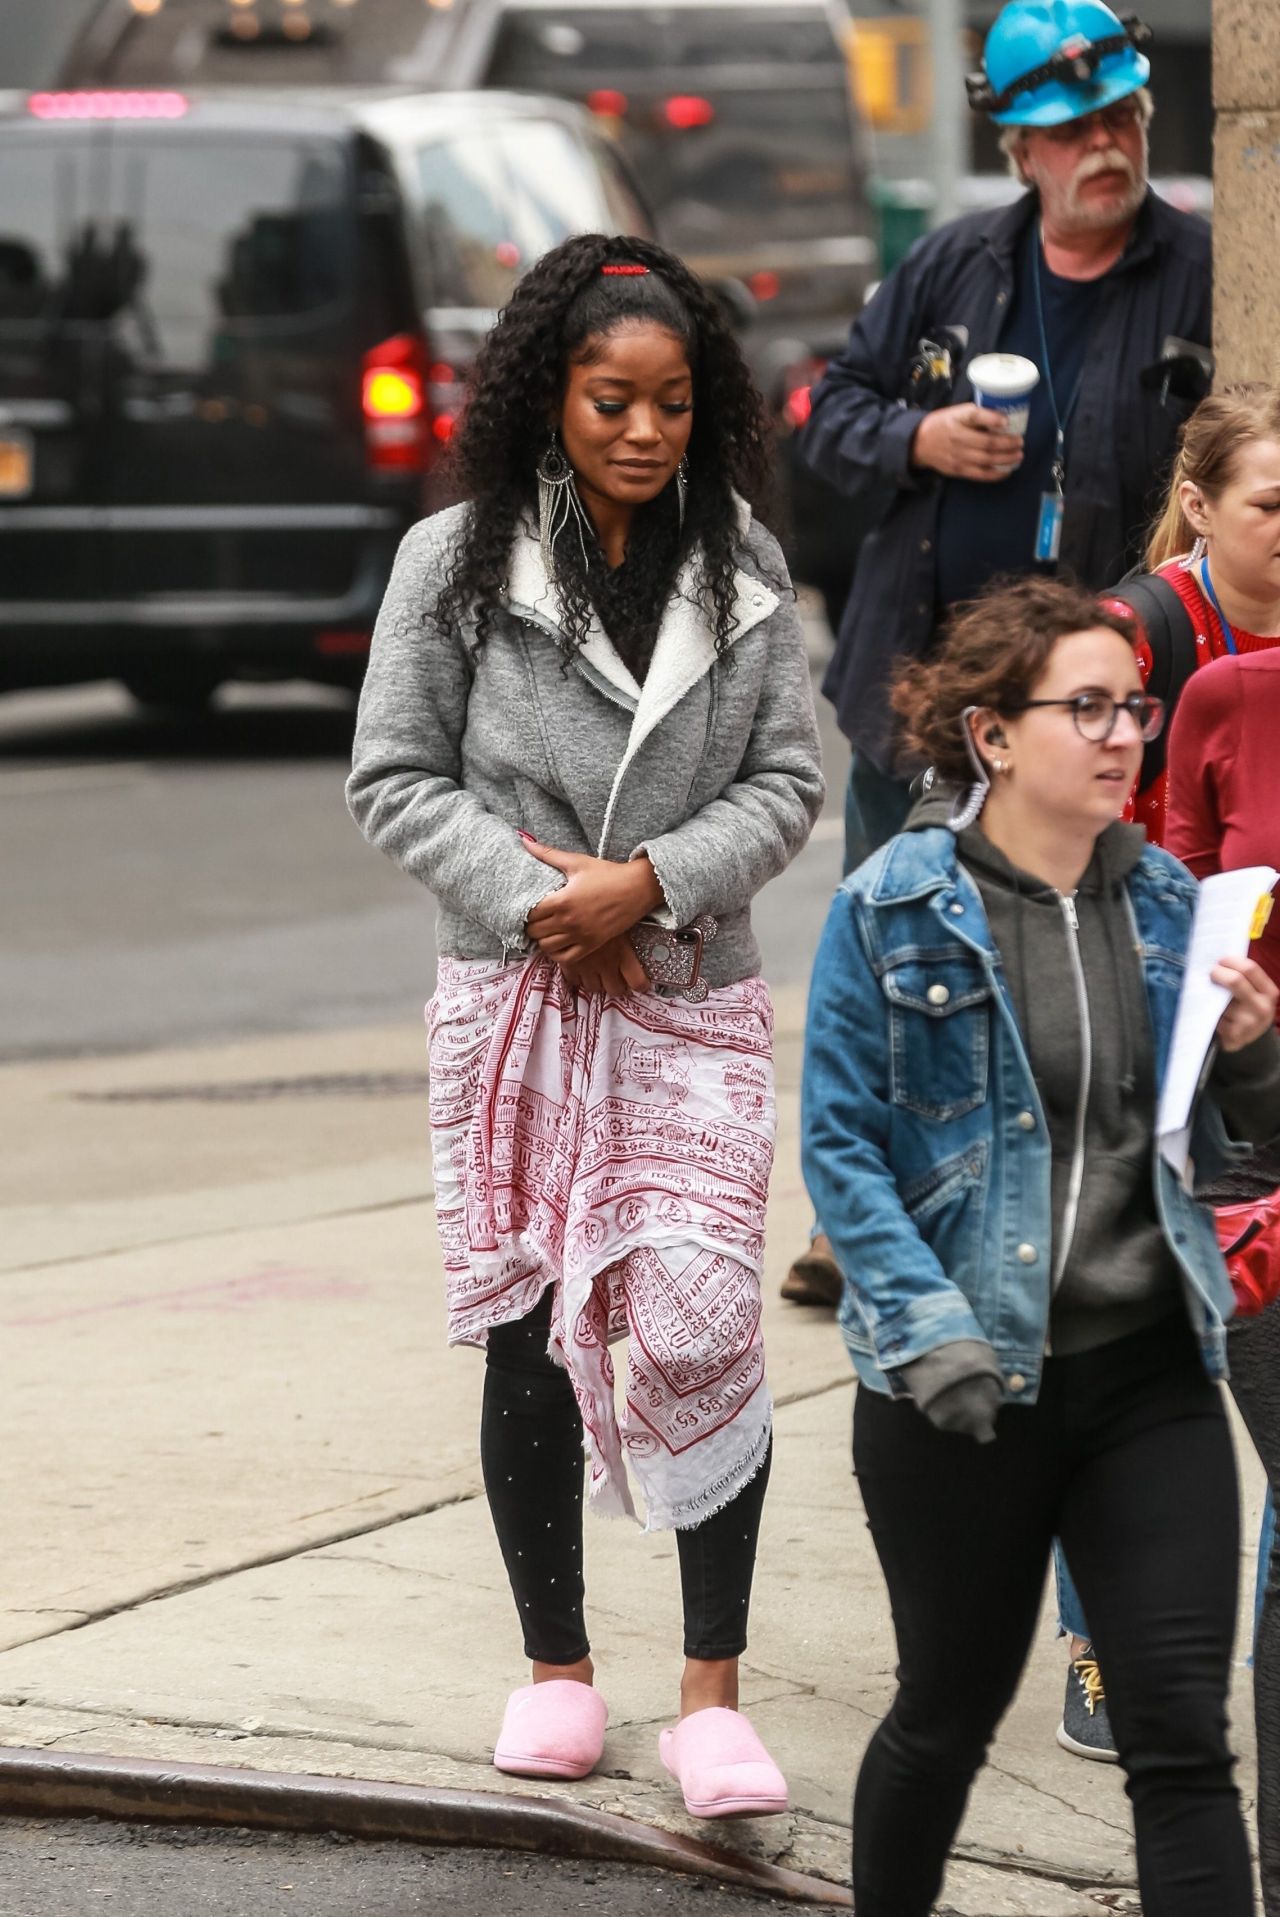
point(95, 1869)
point(178, 881)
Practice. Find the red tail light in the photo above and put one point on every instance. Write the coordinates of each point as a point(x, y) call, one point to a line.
point(685, 110)
point(90, 105)
point(798, 405)
point(607, 102)
point(765, 285)
point(798, 383)
point(393, 394)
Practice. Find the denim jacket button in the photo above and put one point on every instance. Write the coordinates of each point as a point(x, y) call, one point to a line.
point(937, 995)
point(956, 909)
point(1027, 1254)
point(1027, 1120)
point(1016, 1382)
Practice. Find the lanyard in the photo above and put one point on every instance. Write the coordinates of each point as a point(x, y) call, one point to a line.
point(1061, 420)
point(1212, 597)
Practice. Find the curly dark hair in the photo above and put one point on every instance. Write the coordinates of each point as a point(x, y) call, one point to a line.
point(993, 653)
point(562, 304)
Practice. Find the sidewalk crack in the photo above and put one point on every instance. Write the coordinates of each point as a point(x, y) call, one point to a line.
point(179, 1587)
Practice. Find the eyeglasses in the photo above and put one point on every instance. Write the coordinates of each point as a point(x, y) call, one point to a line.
point(1094, 714)
point(1119, 118)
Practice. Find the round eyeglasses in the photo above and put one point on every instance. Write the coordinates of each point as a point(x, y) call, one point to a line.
point(1094, 714)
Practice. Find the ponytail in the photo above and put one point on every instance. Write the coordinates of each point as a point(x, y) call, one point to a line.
point(1173, 533)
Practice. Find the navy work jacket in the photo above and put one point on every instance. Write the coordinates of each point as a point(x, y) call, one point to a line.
point(1120, 443)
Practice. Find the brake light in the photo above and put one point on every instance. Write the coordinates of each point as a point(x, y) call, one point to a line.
point(91, 105)
point(607, 102)
point(393, 397)
point(765, 285)
point(797, 393)
point(798, 405)
point(686, 110)
point(340, 644)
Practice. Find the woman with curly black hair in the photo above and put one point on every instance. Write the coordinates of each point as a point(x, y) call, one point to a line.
point(587, 727)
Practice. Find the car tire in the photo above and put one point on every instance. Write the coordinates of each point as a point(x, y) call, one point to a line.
point(185, 694)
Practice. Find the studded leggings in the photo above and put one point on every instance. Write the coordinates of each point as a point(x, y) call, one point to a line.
point(531, 1455)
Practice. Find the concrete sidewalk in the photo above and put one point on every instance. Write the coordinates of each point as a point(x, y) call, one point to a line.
point(244, 1521)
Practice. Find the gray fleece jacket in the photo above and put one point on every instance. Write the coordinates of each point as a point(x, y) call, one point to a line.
point(712, 767)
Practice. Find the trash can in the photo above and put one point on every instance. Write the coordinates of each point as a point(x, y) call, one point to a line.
point(902, 209)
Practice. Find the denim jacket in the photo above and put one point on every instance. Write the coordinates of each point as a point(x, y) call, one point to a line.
point(926, 1149)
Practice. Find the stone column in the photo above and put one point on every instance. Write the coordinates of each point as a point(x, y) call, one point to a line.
point(1246, 179)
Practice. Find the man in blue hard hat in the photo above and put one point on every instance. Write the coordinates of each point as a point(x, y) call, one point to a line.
point(1090, 275)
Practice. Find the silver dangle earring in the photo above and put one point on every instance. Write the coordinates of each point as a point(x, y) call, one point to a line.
point(968, 808)
point(1198, 550)
point(558, 503)
point(682, 490)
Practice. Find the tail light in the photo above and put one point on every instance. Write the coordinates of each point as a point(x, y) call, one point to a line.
point(765, 285)
point(686, 110)
point(96, 105)
point(798, 383)
point(394, 400)
point(607, 103)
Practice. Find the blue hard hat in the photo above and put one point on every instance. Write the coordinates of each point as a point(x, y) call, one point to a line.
point(1049, 61)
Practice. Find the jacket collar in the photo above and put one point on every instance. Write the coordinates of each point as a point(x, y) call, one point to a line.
point(683, 650)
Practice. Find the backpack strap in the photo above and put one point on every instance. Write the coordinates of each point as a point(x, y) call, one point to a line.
point(1171, 635)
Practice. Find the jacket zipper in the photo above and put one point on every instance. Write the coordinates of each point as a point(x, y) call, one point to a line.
point(1082, 1103)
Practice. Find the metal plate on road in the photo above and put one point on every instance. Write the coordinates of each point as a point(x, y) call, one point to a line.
point(17, 464)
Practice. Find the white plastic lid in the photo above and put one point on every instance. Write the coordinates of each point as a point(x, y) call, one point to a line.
point(1003, 375)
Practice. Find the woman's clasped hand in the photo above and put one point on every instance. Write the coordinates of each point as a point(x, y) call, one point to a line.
point(583, 926)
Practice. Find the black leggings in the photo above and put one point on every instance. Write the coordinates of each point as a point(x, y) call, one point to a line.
point(1127, 1457)
point(531, 1455)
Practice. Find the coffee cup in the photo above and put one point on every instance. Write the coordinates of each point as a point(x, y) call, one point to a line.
point(1003, 383)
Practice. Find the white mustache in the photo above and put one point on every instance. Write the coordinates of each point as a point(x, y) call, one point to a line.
point(1109, 161)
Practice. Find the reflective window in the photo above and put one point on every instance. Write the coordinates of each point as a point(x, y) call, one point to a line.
point(178, 240)
point(468, 223)
point(557, 189)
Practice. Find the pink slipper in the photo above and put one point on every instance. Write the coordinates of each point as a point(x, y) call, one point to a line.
point(554, 1729)
point(722, 1767)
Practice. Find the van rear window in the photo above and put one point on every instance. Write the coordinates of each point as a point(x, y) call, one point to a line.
point(712, 40)
point(770, 155)
point(176, 240)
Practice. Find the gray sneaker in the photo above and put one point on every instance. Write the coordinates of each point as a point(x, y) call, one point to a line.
point(1085, 1729)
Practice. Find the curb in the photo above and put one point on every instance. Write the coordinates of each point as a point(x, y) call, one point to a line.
point(38, 1783)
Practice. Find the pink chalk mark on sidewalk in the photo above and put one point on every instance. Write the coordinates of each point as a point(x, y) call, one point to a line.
point(271, 1284)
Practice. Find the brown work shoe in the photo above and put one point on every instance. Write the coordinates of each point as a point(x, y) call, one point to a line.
point(815, 1278)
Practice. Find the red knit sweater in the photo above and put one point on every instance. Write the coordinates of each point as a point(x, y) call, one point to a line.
point(1148, 808)
point(1224, 774)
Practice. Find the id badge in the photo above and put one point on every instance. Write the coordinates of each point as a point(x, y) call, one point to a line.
point(1049, 528)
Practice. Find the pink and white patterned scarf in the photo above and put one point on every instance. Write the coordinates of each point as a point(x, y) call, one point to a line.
point(618, 1149)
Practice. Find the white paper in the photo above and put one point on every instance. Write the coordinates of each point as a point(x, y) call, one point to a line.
point(1224, 914)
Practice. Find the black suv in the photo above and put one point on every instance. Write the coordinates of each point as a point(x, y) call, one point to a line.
point(233, 335)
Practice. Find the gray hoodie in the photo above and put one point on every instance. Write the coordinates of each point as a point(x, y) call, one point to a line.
point(712, 767)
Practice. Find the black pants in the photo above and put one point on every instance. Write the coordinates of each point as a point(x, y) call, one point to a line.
point(531, 1454)
point(1127, 1457)
point(1253, 1346)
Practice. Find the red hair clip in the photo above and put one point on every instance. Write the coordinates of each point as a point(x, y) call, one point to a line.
point(629, 271)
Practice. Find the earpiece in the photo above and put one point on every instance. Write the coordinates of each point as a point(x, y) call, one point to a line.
point(994, 735)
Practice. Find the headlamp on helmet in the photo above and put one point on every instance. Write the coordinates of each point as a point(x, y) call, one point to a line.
point(1050, 61)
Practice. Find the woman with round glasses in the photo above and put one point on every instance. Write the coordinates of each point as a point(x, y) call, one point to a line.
point(1035, 1304)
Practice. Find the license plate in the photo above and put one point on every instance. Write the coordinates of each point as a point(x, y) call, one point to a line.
point(17, 464)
